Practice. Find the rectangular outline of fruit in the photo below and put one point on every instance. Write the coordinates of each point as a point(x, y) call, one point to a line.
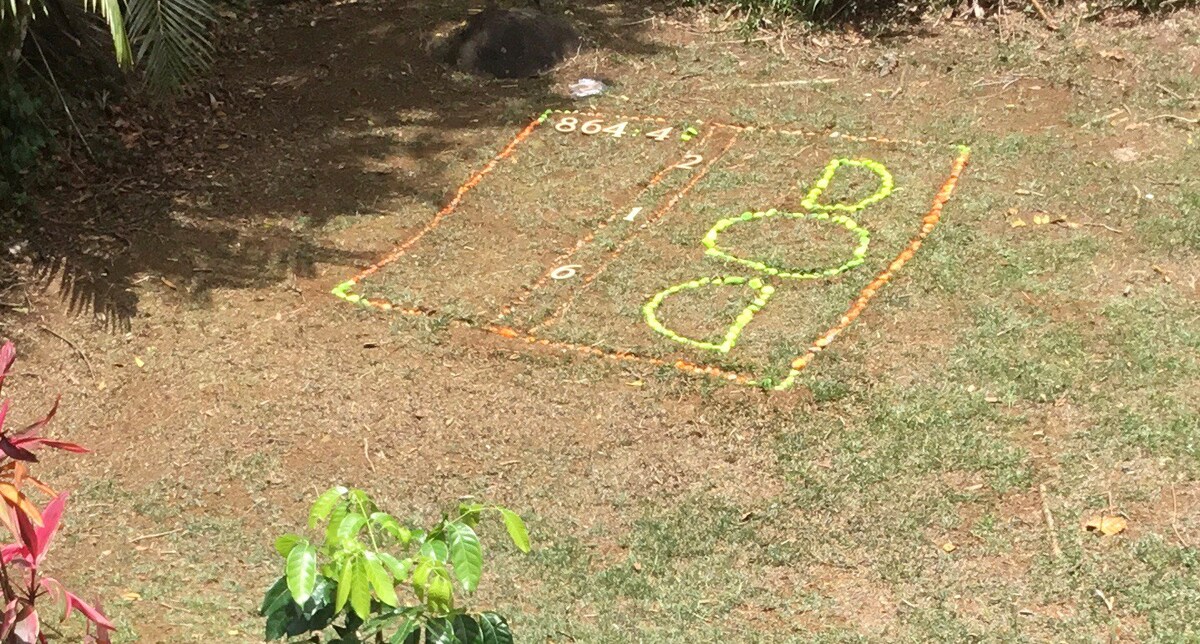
point(344, 290)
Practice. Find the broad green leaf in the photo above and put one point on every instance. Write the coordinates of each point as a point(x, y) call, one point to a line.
point(277, 598)
point(439, 630)
point(360, 589)
point(466, 555)
point(382, 618)
point(347, 631)
point(339, 514)
point(467, 630)
point(302, 571)
point(362, 502)
point(345, 581)
point(390, 525)
point(399, 569)
point(350, 526)
point(409, 633)
point(439, 591)
point(381, 580)
point(516, 529)
point(495, 629)
point(325, 504)
point(277, 624)
point(321, 600)
point(420, 578)
point(435, 549)
point(291, 619)
point(284, 544)
point(470, 513)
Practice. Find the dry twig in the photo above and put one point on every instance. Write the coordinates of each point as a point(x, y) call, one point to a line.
point(1049, 517)
point(367, 454)
point(802, 81)
point(1104, 226)
point(155, 535)
point(91, 372)
point(1175, 519)
point(1175, 117)
point(1045, 16)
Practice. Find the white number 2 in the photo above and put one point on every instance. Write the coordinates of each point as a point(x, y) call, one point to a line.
point(690, 161)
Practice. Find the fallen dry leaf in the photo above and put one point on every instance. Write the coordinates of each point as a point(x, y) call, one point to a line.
point(949, 547)
point(139, 362)
point(131, 596)
point(1041, 220)
point(1106, 525)
point(1125, 155)
point(1112, 54)
point(1017, 223)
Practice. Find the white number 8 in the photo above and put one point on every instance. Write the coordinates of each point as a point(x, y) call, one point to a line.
point(566, 124)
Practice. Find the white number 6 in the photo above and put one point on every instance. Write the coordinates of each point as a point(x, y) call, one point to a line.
point(565, 272)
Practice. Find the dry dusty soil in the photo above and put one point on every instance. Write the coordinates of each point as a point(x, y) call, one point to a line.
point(1038, 357)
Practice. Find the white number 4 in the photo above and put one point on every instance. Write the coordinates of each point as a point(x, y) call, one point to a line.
point(660, 135)
point(616, 130)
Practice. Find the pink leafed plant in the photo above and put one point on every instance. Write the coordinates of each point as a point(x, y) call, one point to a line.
point(22, 582)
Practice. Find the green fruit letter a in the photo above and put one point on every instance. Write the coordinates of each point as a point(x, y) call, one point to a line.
point(762, 293)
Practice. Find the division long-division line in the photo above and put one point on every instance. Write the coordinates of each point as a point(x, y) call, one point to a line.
point(621, 356)
point(612, 255)
point(446, 211)
point(574, 347)
point(584, 241)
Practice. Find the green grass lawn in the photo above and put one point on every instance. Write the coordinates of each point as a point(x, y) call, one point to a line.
point(928, 480)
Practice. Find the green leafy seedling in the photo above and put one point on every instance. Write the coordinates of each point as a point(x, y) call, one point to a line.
point(344, 588)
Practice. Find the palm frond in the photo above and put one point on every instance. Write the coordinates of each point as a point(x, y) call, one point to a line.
point(111, 11)
point(11, 9)
point(171, 38)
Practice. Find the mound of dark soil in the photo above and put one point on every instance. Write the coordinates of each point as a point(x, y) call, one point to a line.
point(511, 43)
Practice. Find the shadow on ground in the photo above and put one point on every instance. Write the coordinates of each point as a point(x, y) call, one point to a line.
point(230, 186)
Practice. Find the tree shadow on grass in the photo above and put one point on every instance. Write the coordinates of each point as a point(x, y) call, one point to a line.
point(313, 113)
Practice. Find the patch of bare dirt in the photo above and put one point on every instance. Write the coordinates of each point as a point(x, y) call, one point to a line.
point(218, 367)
